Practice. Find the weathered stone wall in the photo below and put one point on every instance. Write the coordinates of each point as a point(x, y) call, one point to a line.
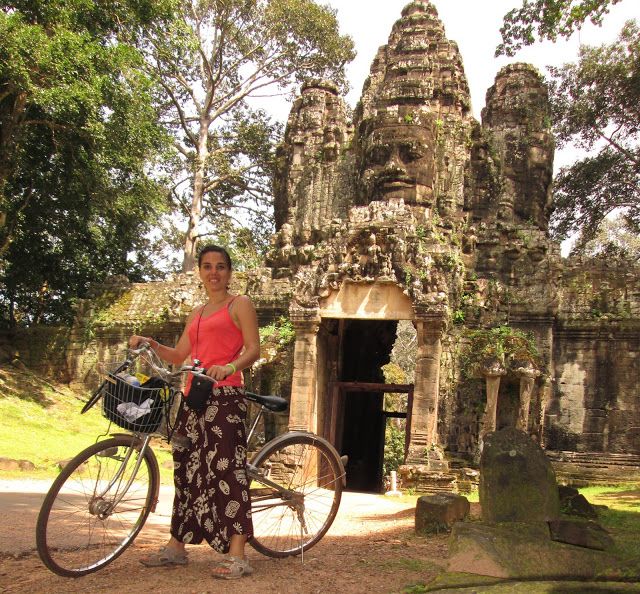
point(312, 159)
point(42, 349)
point(596, 404)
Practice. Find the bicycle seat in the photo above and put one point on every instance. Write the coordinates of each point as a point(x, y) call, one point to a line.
point(273, 403)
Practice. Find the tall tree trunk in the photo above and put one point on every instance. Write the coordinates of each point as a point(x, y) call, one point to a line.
point(193, 233)
point(10, 122)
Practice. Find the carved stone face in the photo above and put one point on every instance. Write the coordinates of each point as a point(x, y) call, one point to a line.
point(399, 163)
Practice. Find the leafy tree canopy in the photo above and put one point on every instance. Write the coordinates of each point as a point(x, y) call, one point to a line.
point(596, 107)
point(548, 19)
point(613, 240)
point(79, 133)
point(214, 64)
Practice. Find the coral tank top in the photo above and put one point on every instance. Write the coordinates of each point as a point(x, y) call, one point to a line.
point(218, 341)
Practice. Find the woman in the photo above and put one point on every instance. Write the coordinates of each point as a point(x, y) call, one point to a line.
point(211, 488)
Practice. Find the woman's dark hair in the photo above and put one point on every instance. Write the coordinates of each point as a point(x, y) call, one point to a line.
point(215, 248)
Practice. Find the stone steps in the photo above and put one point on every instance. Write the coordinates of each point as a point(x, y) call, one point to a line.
point(581, 468)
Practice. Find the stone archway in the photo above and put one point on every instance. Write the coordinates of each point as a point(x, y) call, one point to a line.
point(319, 358)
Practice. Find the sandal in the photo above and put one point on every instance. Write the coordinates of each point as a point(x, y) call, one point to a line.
point(164, 557)
point(235, 568)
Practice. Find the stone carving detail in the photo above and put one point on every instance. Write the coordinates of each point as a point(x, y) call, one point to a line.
point(413, 191)
point(397, 159)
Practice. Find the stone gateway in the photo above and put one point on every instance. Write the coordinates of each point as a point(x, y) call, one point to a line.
point(410, 214)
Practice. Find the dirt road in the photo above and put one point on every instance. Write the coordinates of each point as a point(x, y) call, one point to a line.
point(370, 548)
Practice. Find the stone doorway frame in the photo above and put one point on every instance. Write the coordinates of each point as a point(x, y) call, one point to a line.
point(338, 390)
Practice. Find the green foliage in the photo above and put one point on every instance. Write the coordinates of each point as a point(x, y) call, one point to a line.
point(503, 345)
point(212, 60)
point(548, 19)
point(458, 316)
point(246, 248)
point(79, 134)
point(394, 440)
point(395, 430)
point(281, 331)
point(596, 106)
point(613, 240)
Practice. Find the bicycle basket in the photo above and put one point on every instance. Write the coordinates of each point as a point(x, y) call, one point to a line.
point(136, 408)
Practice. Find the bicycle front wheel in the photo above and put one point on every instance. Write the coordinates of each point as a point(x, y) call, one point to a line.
point(296, 486)
point(96, 506)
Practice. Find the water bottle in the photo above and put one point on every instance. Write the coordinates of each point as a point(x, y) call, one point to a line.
point(130, 379)
point(133, 380)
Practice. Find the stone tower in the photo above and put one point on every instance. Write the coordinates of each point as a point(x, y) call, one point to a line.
point(410, 218)
point(387, 215)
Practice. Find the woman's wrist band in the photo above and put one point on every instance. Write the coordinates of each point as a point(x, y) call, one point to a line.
point(233, 367)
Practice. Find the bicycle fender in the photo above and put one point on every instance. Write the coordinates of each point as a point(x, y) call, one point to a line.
point(134, 438)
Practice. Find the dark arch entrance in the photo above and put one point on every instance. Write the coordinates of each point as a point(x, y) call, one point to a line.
point(355, 415)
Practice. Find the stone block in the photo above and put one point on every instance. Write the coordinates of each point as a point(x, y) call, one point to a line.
point(517, 481)
point(524, 551)
point(10, 464)
point(581, 533)
point(436, 513)
point(578, 506)
point(566, 492)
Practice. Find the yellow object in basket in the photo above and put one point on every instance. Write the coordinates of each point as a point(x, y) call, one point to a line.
point(164, 394)
point(142, 378)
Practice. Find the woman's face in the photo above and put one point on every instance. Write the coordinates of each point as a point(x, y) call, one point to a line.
point(214, 272)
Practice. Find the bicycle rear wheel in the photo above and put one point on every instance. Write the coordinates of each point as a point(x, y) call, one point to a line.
point(297, 514)
point(89, 516)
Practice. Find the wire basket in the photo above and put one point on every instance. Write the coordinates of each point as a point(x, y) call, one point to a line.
point(136, 401)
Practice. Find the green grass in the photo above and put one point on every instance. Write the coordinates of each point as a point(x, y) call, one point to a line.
point(40, 421)
point(621, 519)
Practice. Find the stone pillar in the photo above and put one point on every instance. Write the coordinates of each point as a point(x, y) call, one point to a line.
point(424, 414)
point(303, 406)
point(527, 381)
point(492, 378)
point(545, 397)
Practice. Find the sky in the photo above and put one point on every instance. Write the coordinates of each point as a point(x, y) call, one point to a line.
point(475, 26)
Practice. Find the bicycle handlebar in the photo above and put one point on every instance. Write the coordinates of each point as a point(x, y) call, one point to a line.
point(193, 369)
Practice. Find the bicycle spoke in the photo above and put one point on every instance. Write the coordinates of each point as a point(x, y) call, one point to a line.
point(95, 508)
point(292, 518)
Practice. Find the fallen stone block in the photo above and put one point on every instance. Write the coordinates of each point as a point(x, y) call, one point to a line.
point(10, 464)
point(581, 533)
point(437, 513)
point(521, 550)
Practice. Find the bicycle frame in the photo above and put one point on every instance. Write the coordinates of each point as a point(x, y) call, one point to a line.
point(141, 444)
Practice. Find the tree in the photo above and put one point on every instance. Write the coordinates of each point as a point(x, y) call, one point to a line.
point(596, 107)
point(211, 63)
point(548, 19)
point(78, 136)
point(613, 240)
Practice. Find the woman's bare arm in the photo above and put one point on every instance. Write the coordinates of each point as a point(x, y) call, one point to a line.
point(175, 355)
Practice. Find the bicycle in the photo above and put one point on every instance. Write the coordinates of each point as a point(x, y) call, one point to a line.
point(102, 498)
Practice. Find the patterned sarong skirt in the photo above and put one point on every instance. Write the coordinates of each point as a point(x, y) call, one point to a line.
point(211, 499)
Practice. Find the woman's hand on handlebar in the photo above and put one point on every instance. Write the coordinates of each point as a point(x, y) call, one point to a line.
point(136, 341)
point(219, 372)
